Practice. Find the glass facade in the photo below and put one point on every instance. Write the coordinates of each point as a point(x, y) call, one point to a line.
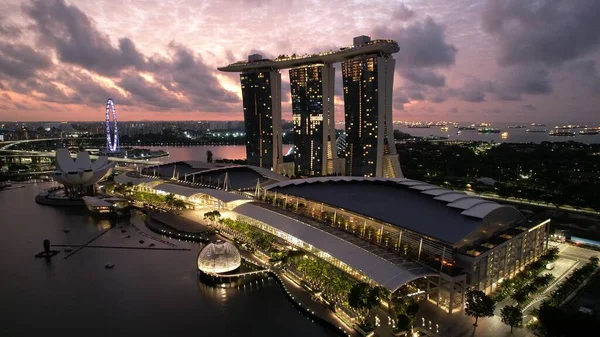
point(311, 90)
point(261, 95)
point(360, 108)
point(370, 147)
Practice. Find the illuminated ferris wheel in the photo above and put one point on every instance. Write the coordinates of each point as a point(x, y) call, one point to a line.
point(112, 140)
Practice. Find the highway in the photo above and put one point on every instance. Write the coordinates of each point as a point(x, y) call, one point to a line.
point(496, 197)
point(6, 148)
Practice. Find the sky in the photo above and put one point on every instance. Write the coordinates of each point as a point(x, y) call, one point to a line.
point(459, 60)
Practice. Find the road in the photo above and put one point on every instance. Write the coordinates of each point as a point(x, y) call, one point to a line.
point(496, 197)
point(460, 325)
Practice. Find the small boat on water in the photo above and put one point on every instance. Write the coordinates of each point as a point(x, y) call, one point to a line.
point(536, 130)
point(66, 230)
point(109, 265)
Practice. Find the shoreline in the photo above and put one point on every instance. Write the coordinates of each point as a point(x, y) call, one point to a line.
point(314, 310)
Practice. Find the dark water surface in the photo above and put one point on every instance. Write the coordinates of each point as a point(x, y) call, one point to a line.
point(149, 292)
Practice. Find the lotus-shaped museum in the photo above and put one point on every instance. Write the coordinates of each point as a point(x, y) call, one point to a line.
point(81, 174)
point(219, 257)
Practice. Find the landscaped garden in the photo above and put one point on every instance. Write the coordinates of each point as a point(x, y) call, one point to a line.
point(528, 282)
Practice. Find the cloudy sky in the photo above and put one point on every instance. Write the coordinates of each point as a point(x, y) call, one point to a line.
point(460, 60)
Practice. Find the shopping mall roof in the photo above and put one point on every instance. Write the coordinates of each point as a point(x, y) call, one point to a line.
point(449, 216)
point(241, 177)
point(391, 273)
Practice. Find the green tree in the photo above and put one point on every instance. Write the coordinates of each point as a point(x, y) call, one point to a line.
point(178, 204)
point(512, 316)
point(169, 199)
point(357, 297)
point(403, 322)
point(478, 304)
point(375, 295)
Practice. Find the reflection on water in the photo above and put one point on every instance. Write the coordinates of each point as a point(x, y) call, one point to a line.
point(103, 224)
point(148, 292)
point(199, 152)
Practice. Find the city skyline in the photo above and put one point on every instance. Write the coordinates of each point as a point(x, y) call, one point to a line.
point(464, 61)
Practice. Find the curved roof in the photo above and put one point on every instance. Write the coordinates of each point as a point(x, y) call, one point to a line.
point(219, 257)
point(80, 171)
point(391, 273)
point(260, 170)
point(466, 203)
point(189, 192)
point(437, 191)
point(241, 177)
point(417, 206)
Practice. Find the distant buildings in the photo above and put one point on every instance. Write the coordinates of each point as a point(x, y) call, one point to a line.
point(368, 72)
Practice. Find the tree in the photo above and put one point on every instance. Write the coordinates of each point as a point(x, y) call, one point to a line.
point(478, 304)
point(512, 316)
point(374, 297)
point(357, 297)
point(404, 322)
point(209, 156)
point(412, 309)
point(212, 216)
point(179, 204)
point(169, 199)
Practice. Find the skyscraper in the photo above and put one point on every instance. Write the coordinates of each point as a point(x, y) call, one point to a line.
point(312, 89)
point(261, 95)
point(368, 73)
point(368, 83)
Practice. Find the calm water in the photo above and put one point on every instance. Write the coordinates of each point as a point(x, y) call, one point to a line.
point(514, 135)
point(148, 293)
point(177, 153)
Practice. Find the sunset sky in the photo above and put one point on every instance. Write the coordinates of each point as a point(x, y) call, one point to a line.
point(460, 60)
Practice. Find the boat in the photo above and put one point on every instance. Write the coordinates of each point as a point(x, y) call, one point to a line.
point(488, 130)
point(418, 126)
point(5, 184)
point(517, 126)
point(536, 130)
point(444, 128)
point(586, 132)
point(561, 133)
point(66, 230)
point(458, 132)
point(569, 127)
point(504, 135)
point(468, 128)
point(109, 265)
point(535, 124)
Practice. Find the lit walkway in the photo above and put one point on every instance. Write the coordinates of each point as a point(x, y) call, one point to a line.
point(304, 299)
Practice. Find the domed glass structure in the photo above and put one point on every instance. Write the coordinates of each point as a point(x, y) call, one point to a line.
point(219, 257)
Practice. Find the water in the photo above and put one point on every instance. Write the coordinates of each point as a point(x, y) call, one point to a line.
point(181, 153)
point(148, 293)
point(514, 135)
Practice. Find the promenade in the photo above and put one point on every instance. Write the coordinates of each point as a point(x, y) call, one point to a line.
point(297, 295)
